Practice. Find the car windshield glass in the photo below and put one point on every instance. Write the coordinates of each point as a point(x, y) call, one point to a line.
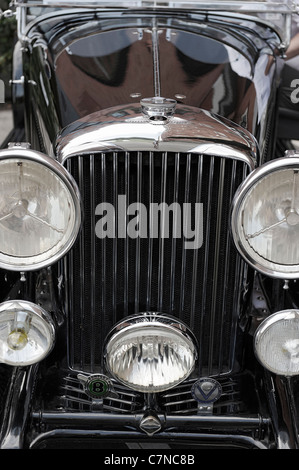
point(246, 5)
point(276, 14)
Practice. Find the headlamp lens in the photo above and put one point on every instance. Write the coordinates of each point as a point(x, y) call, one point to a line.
point(265, 218)
point(150, 353)
point(39, 213)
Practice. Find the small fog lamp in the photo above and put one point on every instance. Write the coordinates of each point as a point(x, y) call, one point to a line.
point(276, 343)
point(26, 333)
point(150, 352)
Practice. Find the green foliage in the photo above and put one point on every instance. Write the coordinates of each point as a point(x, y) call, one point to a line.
point(7, 40)
point(7, 35)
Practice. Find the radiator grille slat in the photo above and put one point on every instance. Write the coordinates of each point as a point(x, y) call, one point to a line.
point(110, 278)
point(195, 254)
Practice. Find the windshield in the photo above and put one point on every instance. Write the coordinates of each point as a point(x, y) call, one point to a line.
point(276, 14)
point(245, 5)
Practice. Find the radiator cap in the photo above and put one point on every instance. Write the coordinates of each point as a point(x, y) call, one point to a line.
point(158, 109)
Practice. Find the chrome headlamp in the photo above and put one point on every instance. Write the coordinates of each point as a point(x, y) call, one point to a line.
point(276, 343)
point(27, 333)
point(150, 352)
point(40, 212)
point(265, 218)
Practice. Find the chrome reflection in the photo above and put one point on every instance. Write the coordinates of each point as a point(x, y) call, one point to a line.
point(124, 128)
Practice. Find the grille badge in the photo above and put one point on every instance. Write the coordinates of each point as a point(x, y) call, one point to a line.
point(206, 391)
point(96, 386)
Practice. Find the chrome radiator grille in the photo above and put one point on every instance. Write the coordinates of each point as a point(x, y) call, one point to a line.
point(108, 279)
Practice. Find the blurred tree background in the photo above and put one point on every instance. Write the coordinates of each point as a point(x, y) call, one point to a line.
point(7, 41)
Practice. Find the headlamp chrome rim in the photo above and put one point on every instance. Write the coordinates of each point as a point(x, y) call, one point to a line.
point(27, 263)
point(271, 269)
point(264, 326)
point(147, 320)
point(29, 308)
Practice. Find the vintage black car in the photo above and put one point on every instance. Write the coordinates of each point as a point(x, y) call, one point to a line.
point(149, 223)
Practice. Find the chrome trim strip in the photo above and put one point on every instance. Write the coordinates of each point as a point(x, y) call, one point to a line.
point(195, 254)
point(185, 222)
point(137, 253)
point(127, 192)
point(206, 258)
point(93, 260)
point(161, 239)
point(69, 287)
point(150, 242)
point(104, 241)
point(227, 256)
point(216, 263)
point(82, 252)
point(174, 243)
point(114, 261)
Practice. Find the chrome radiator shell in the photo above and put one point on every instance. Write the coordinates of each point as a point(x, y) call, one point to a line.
point(194, 157)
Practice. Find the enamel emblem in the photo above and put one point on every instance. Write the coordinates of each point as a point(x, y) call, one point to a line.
point(96, 386)
point(206, 390)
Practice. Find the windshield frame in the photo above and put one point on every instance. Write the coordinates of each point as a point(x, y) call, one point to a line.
point(276, 15)
point(245, 6)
